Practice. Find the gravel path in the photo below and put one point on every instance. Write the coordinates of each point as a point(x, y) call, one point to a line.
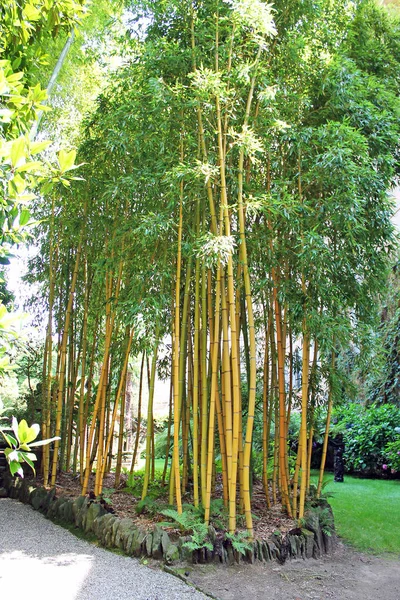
point(43, 561)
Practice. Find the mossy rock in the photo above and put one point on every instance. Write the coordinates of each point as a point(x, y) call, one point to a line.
point(98, 524)
point(109, 531)
point(260, 554)
point(65, 512)
point(53, 512)
point(265, 552)
point(156, 548)
point(148, 544)
point(313, 524)
point(129, 538)
point(165, 542)
point(329, 542)
point(6, 481)
point(94, 511)
point(292, 539)
point(137, 543)
point(185, 552)
point(273, 550)
point(48, 500)
point(38, 497)
point(25, 491)
point(79, 509)
point(309, 542)
point(14, 488)
point(125, 528)
point(172, 554)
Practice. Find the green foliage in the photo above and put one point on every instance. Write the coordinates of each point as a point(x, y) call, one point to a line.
point(369, 435)
point(189, 517)
point(9, 325)
point(20, 101)
point(392, 454)
point(199, 538)
point(239, 541)
point(190, 521)
point(20, 443)
point(106, 495)
point(134, 486)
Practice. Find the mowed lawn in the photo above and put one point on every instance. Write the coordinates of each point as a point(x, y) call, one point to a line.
point(367, 512)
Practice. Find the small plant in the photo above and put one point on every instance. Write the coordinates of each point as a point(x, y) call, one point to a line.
point(20, 444)
point(184, 520)
point(324, 495)
point(239, 541)
point(106, 495)
point(199, 538)
point(325, 519)
point(190, 521)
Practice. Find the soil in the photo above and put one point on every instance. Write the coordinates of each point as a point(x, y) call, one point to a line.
point(122, 503)
point(345, 575)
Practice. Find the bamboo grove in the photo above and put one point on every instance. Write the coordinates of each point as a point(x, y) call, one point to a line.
point(231, 229)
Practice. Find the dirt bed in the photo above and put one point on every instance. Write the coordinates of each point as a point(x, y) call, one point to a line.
point(346, 575)
point(122, 503)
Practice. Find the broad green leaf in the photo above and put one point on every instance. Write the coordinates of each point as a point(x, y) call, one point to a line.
point(37, 147)
point(31, 13)
point(24, 217)
point(11, 454)
point(15, 76)
point(28, 461)
point(11, 441)
point(16, 469)
point(66, 160)
point(17, 154)
point(27, 434)
point(29, 167)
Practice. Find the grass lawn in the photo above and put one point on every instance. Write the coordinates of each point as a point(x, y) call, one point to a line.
point(367, 512)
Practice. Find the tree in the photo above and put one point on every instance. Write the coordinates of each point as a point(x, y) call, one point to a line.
point(234, 200)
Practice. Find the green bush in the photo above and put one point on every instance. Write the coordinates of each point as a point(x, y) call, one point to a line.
point(371, 436)
point(392, 455)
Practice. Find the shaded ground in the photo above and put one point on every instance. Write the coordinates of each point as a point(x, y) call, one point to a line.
point(347, 575)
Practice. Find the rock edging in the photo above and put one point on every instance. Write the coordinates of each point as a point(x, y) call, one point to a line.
point(311, 541)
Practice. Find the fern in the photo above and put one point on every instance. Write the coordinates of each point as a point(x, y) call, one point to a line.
point(190, 521)
point(199, 538)
point(185, 520)
point(239, 541)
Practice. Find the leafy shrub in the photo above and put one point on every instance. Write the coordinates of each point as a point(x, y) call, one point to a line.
point(392, 455)
point(370, 436)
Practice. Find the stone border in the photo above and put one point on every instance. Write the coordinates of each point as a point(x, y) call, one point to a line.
point(311, 541)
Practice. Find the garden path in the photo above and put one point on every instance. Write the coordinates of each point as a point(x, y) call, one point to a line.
point(42, 561)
